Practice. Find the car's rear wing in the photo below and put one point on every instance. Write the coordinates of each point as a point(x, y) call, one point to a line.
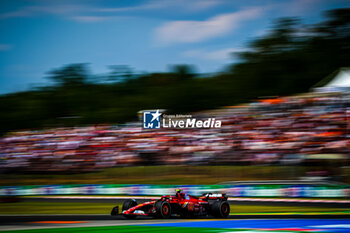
point(215, 196)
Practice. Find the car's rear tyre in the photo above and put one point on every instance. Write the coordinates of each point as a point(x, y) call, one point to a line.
point(220, 209)
point(127, 205)
point(163, 209)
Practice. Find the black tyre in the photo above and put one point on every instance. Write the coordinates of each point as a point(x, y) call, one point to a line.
point(220, 209)
point(163, 209)
point(127, 205)
point(115, 211)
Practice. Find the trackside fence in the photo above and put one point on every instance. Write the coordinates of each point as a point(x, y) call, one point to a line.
point(317, 191)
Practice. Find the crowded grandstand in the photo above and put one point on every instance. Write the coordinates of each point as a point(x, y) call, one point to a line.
point(302, 129)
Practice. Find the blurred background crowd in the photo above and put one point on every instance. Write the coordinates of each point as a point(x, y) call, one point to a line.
point(278, 131)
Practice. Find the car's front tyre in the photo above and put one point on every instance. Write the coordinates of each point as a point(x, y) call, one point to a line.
point(127, 205)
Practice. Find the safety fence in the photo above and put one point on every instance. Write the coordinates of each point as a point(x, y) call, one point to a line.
point(230, 190)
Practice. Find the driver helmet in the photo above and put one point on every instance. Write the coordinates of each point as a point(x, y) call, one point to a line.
point(178, 192)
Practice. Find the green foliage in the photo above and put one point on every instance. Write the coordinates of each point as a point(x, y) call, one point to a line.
point(177, 175)
point(69, 76)
point(291, 58)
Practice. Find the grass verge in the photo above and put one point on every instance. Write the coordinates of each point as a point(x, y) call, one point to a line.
point(175, 175)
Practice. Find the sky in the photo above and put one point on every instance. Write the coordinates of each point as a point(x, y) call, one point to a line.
point(147, 35)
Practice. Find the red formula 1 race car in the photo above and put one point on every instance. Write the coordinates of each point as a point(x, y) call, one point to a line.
point(181, 204)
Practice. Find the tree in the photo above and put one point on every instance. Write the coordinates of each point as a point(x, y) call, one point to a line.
point(183, 72)
point(119, 73)
point(72, 75)
point(293, 56)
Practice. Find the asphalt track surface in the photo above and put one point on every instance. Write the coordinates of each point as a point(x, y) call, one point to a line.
point(63, 217)
point(22, 222)
point(238, 202)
